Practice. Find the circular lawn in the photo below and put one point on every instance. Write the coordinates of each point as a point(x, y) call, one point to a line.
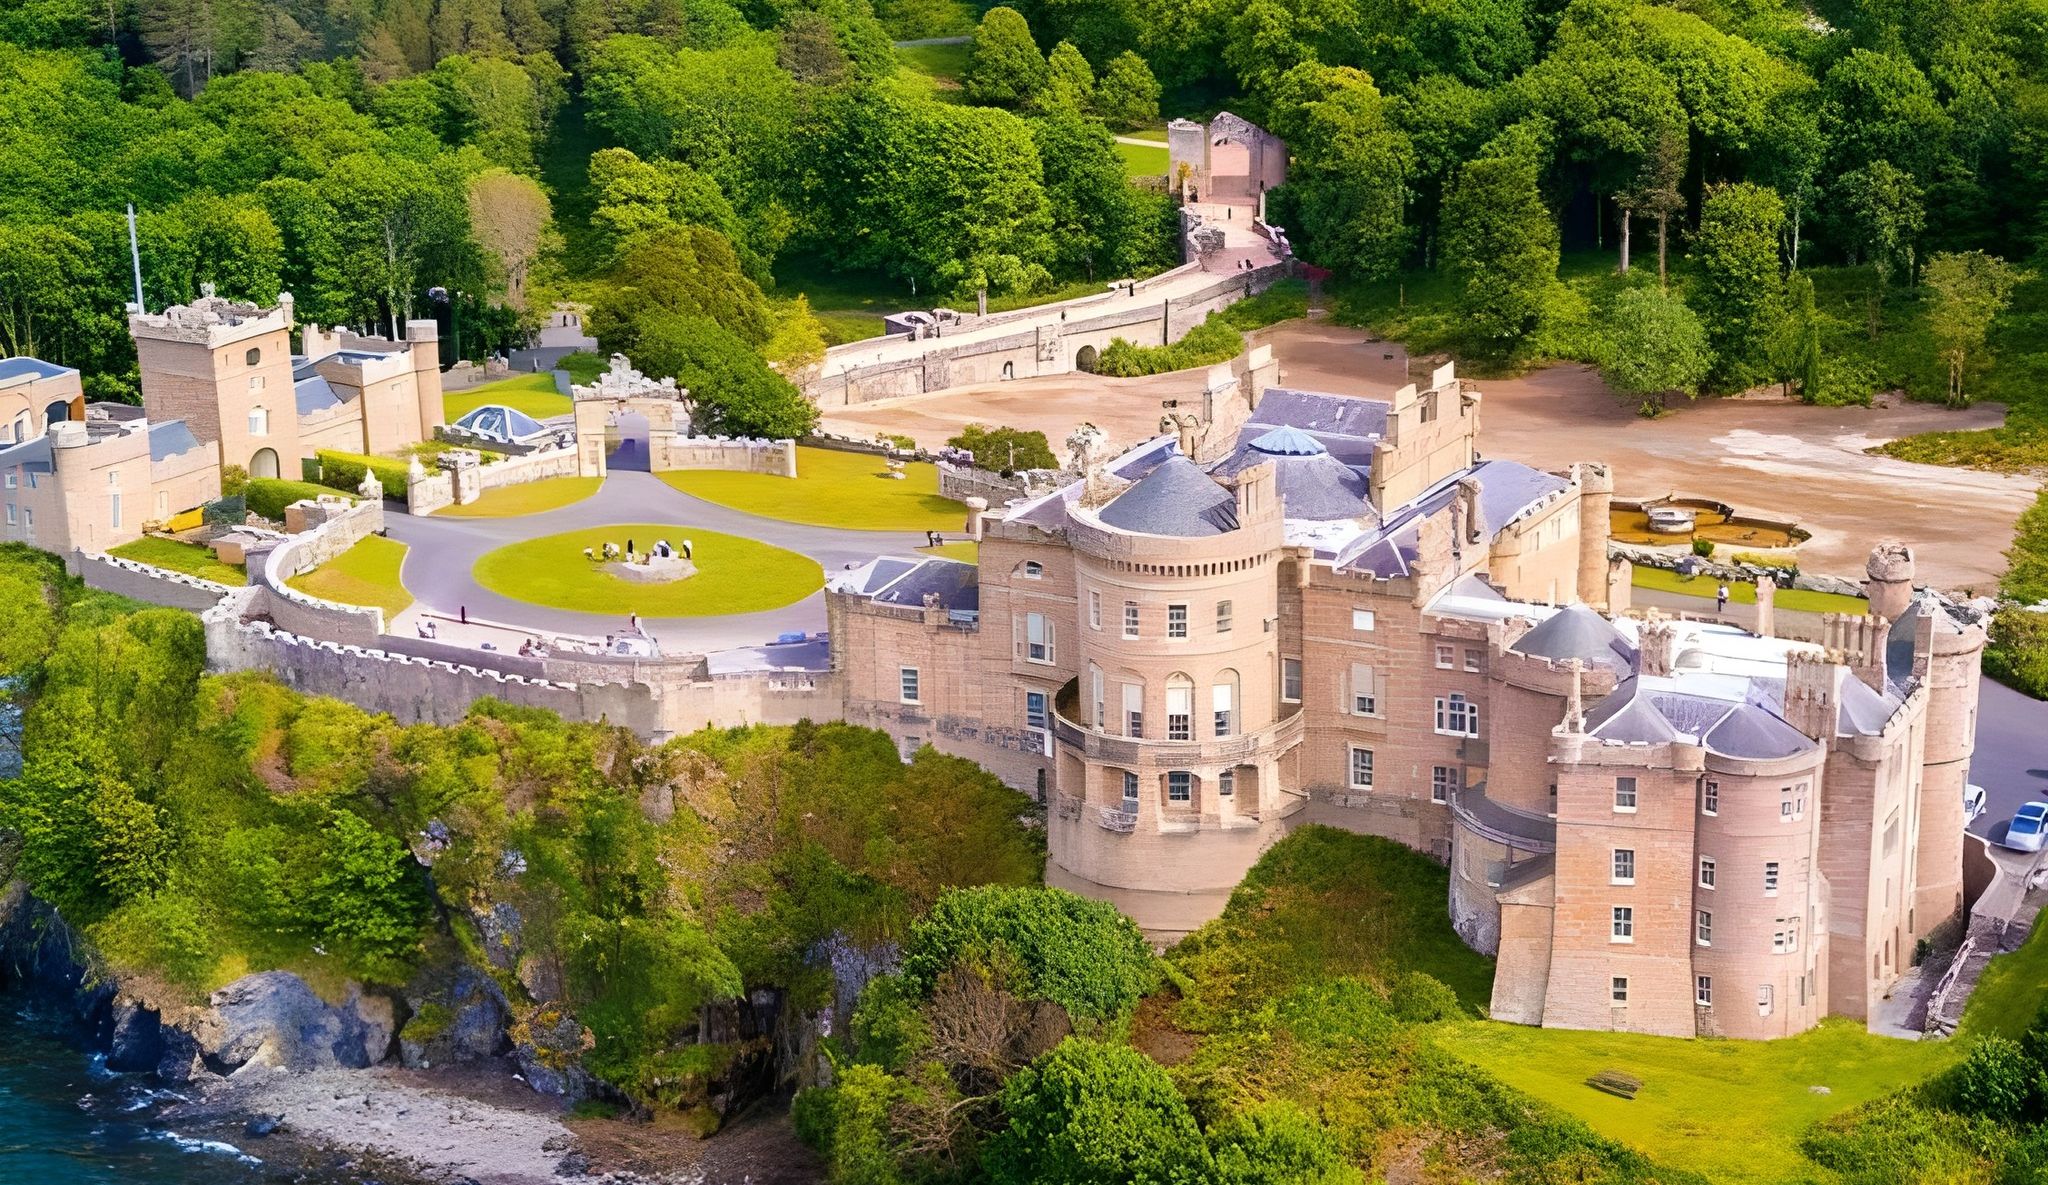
point(734, 575)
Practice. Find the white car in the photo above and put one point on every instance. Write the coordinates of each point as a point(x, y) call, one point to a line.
point(2028, 828)
point(1973, 804)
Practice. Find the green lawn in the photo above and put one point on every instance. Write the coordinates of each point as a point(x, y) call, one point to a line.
point(533, 394)
point(734, 575)
point(189, 558)
point(2012, 989)
point(1732, 1110)
point(584, 366)
point(851, 305)
point(1801, 600)
point(551, 493)
point(964, 550)
point(1142, 160)
point(366, 574)
point(832, 489)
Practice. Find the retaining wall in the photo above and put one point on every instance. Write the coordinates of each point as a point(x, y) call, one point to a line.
point(961, 482)
point(145, 582)
point(740, 454)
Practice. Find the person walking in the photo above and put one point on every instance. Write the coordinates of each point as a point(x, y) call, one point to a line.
point(1721, 598)
point(689, 549)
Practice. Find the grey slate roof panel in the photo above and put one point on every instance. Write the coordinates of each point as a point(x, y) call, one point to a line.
point(1749, 731)
point(30, 454)
point(314, 394)
point(169, 439)
point(22, 365)
point(1177, 500)
point(1578, 631)
point(1861, 711)
point(957, 585)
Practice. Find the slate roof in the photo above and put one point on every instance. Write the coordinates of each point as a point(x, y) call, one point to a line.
point(811, 654)
point(22, 366)
point(32, 454)
point(1507, 490)
point(957, 585)
point(495, 421)
point(1312, 484)
point(1577, 631)
point(1643, 710)
point(1750, 731)
point(1347, 427)
point(169, 439)
point(1861, 711)
point(1176, 499)
point(313, 393)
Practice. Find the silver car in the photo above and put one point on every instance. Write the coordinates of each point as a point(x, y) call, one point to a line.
point(1973, 803)
point(2028, 828)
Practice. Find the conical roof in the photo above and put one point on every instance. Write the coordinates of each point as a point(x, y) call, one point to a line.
point(1175, 499)
point(1577, 631)
point(1286, 441)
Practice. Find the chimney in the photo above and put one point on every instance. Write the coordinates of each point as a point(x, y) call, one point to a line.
point(1766, 606)
point(1811, 693)
point(1659, 641)
point(1890, 583)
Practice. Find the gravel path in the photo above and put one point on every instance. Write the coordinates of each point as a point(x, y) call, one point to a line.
point(442, 551)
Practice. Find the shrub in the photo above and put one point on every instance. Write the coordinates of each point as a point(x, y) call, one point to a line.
point(1845, 380)
point(1279, 1144)
point(1419, 998)
point(233, 479)
point(167, 933)
point(344, 471)
point(1080, 954)
point(1996, 1081)
point(849, 1126)
point(1005, 449)
point(1214, 340)
point(1092, 1113)
point(1702, 546)
point(268, 496)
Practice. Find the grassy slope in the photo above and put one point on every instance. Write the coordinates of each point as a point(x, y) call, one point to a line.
point(366, 574)
point(534, 394)
point(832, 489)
point(2012, 989)
point(1745, 594)
point(531, 498)
point(1143, 161)
point(1733, 1110)
point(189, 558)
point(734, 575)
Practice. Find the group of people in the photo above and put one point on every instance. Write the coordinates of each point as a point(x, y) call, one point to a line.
point(662, 551)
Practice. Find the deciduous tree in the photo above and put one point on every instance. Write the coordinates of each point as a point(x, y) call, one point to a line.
point(1739, 294)
point(1970, 290)
point(1004, 66)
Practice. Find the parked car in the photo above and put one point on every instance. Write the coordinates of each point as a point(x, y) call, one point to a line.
point(1973, 804)
point(2028, 828)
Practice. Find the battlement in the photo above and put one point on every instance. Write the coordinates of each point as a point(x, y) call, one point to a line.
point(212, 321)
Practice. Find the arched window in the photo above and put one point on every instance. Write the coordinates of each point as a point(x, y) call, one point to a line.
point(259, 421)
point(1223, 703)
point(253, 357)
point(1031, 570)
point(21, 427)
point(1180, 708)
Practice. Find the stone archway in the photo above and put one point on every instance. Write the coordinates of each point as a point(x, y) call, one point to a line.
point(263, 463)
point(1087, 359)
point(621, 402)
point(57, 412)
point(627, 438)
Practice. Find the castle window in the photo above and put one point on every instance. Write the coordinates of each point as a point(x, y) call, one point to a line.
point(1130, 619)
point(907, 684)
point(256, 382)
point(1226, 783)
point(1223, 708)
point(253, 357)
point(1770, 878)
point(1034, 709)
point(1134, 710)
point(1763, 999)
point(1094, 610)
point(1710, 797)
point(1457, 716)
point(1622, 924)
point(1361, 768)
point(1180, 708)
point(1290, 680)
point(13, 478)
point(1130, 792)
point(1176, 621)
point(114, 510)
point(1617, 989)
point(1446, 657)
point(1703, 990)
point(1095, 688)
point(1223, 617)
point(1443, 779)
point(1471, 659)
point(1033, 570)
point(1624, 794)
point(1180, 786)
point(1624, 866)
point(1707, 872)
point(1703, 927)
point(259, 421)
point(1364, 691)
point(10, 514)
point(1037, 638)
point(1361, 620)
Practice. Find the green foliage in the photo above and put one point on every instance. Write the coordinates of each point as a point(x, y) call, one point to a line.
point(2018, 653)
point(344, 472)
point(1080, 954)
point(268, 496)
point(1499, 248)
point(1970, 290)
point(1004, 65)
point(1069, 81)
point(2026, 573)
point(1278, 1143)
point(1101, 224)
point(1092, 1113)
point(1005, 449)
point(1997, 1081)
point(1739, 295)
point(683, 270)
point(1347, 185)
point(1127, 95)
point(371, 900)
point(1657, 346)
point(732, 390)
point(1702, 547)
point(849, 1126)
point(1213, 341)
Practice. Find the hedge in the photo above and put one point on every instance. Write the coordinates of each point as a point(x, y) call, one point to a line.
point(268, 496)
point(344, 471)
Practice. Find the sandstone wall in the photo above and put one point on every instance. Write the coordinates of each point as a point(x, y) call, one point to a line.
point(145, 582)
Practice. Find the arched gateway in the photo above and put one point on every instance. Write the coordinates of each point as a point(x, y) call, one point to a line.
point(623, 394)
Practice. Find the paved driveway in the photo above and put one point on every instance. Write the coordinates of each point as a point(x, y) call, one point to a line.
point(442, 551)
point(2011, 759)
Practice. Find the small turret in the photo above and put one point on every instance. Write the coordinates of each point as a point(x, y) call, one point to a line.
point(1890, 583)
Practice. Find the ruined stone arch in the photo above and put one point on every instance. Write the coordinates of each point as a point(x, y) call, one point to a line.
point(1087, 359)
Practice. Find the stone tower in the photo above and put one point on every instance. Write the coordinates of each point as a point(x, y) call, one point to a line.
point(425, 336)
point(1596, 504)
point(225, 368)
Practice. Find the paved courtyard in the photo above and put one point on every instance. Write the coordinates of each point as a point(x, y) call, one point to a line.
point(1767, 457)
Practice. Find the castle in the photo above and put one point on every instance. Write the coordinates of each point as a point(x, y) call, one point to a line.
point(1302, 607)
point(221, 387)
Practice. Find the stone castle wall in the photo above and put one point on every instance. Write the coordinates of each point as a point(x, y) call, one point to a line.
point(145, 582)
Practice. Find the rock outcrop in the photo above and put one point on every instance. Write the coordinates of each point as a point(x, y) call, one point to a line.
point(274, 1019)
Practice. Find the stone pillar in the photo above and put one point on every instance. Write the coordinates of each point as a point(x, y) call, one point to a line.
point(1890, 583)
point(425, 338)
point(976, 508)
point(1766, 607)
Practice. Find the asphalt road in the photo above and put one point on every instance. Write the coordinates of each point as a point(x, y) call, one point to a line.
point(2011, 760)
